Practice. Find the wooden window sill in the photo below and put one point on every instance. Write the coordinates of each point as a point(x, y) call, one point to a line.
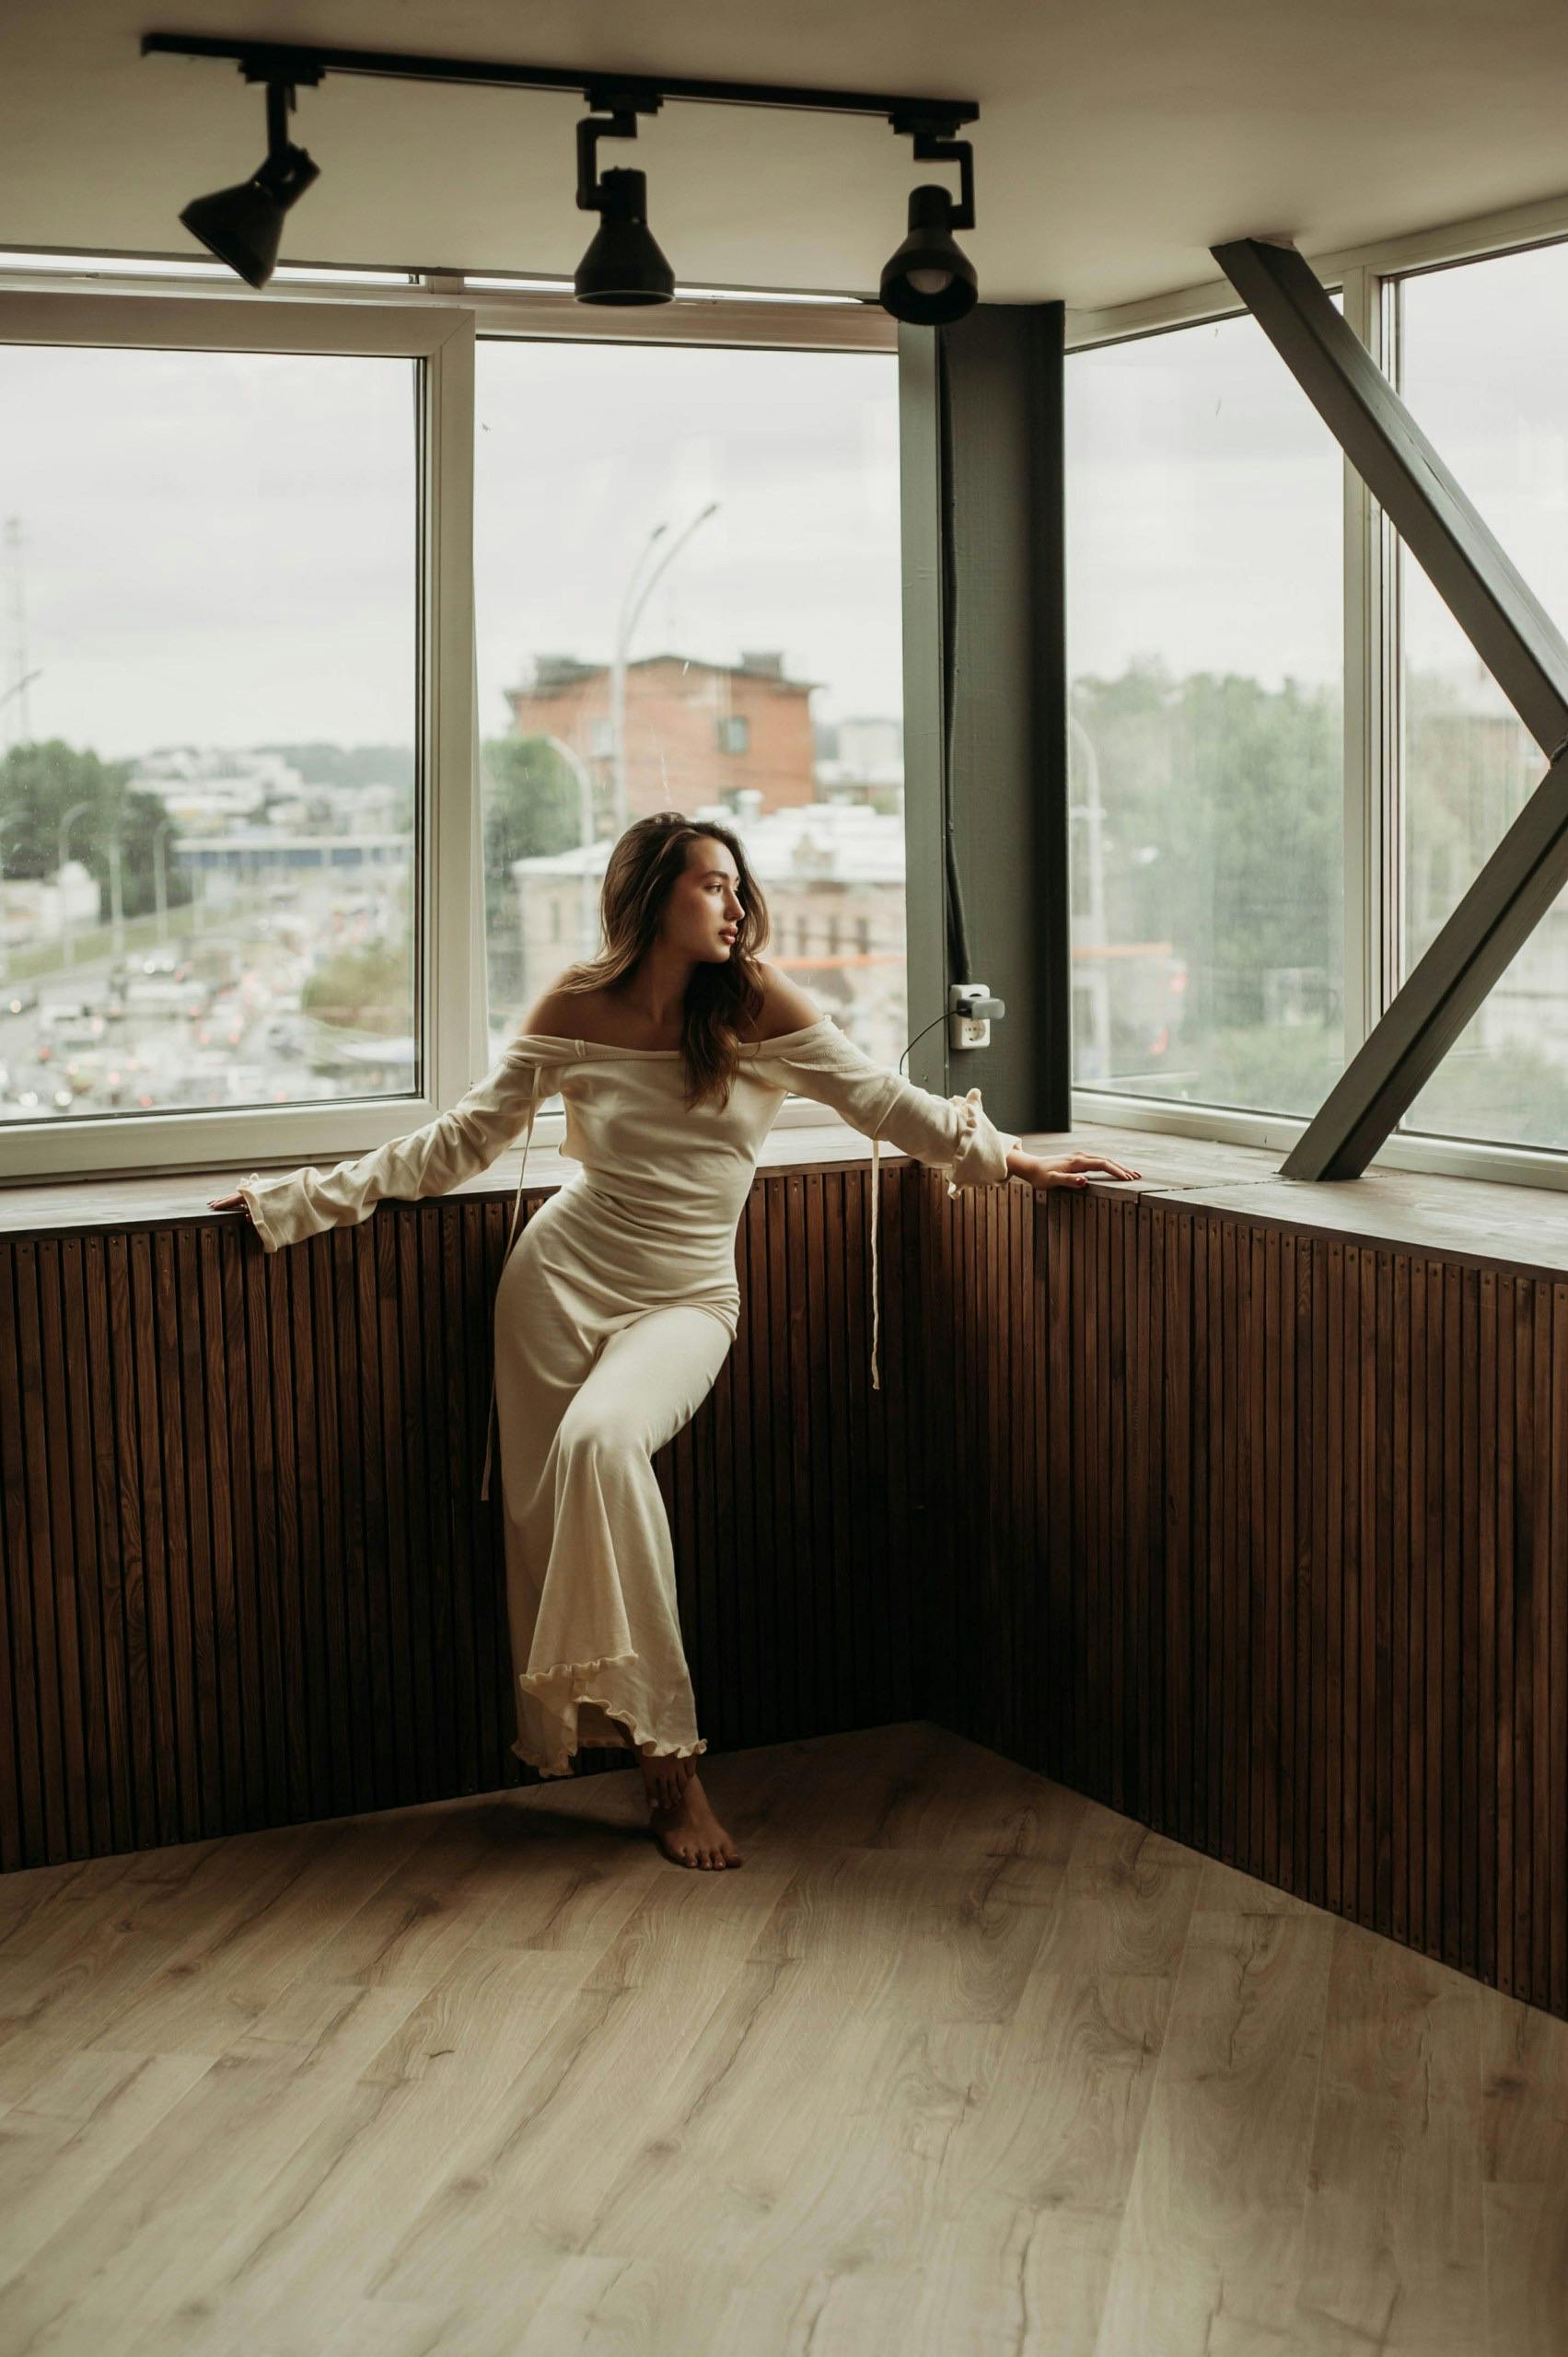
point(1476, 1222)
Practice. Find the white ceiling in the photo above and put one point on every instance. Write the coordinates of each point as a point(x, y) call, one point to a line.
point(1117, 139)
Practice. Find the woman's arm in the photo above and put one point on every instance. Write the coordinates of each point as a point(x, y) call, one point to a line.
point(950, 1133)
point(454, 1146)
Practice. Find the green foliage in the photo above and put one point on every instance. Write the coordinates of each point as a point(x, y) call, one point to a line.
point(363, 989)
point(533, 803)
point(1224, 827)
point(40, 782)
point(533, 807)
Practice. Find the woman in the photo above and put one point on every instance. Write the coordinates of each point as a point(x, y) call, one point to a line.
point(672, 1051)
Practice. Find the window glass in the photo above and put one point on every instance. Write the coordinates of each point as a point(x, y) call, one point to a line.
point(1483, 350)
point(208, 706)
point(687, 574)
point(1205, 623)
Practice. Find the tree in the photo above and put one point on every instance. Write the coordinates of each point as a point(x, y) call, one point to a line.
point(38, 783)
point(533, 807)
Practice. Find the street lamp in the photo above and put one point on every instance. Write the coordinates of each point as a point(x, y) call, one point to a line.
point(68, 938)
point(14, 818)
point(21, 687)
point(160, 877)
point(625, 626)
point(579, 769)
point(116, 904)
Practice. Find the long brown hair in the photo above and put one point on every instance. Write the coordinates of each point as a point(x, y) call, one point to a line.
point(645, 863)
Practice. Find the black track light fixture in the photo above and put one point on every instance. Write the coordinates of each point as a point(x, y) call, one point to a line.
point(928, 280)
point(243, 225)
point(623, 263)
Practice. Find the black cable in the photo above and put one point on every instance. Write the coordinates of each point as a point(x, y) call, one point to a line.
point(958, 928)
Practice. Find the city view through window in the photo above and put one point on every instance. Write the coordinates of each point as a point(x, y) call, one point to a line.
point(1205, 755)
point(694, 605)
point(1483, 348)
point(686, 594)
point(208, 709)
point(687, 586)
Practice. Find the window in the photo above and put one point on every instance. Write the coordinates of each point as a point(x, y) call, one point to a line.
point(211, 883)
point(647, 517)
point(1482, 349)
point(241, 849)
point(1205, 738)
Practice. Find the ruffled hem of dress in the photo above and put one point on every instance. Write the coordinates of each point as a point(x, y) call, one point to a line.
point(258, 1221)
point(559, 1762)
point(968, 1133)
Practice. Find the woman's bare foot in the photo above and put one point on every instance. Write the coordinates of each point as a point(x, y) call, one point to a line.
point(687, 1831)
point(664, 1776)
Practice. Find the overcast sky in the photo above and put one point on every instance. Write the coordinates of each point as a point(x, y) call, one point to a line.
point(220, 547)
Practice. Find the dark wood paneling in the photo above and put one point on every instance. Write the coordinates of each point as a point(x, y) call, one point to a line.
point(1288, 1580)
point(246, 1578)
point(1259, 1535)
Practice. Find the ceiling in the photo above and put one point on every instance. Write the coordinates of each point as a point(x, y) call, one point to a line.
point(1117, 139)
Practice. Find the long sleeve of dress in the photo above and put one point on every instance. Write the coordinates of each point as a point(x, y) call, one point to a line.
point(455, 1145)
point(950, 1133)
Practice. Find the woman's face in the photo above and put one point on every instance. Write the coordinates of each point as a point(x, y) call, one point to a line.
point(704, 909)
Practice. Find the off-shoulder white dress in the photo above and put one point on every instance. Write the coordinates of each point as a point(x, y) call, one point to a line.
point(614, 1312)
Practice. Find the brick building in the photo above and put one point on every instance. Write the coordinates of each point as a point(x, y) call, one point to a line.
point(695, 732)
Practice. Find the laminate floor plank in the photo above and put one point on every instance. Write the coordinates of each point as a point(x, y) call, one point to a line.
point(959, 2063)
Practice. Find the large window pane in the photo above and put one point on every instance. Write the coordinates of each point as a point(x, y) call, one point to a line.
point(1484, 349)
point(208, 700)
point(754, 497)
point(1204, 503)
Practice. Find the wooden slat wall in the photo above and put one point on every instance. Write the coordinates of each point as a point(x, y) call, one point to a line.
point(1262, 1538)
point(246, 1578)
point(1259, 1536)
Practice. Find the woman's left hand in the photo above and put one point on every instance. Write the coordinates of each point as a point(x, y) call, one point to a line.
point(1071, 1170)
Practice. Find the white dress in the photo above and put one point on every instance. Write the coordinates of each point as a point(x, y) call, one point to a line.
point(614, 1311)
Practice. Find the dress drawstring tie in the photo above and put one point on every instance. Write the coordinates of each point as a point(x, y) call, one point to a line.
point(875, 1288)
point(512, 1237)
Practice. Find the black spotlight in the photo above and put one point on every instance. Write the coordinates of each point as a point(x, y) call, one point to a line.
point(243, 225)
point(623, 263)
point(928, 280)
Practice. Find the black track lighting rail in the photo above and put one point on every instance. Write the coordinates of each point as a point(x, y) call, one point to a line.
point(927, 281)
point(263, 60)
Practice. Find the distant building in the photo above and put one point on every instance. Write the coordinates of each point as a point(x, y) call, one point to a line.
point(866, 754)
point(695, 732)
point(209, 786)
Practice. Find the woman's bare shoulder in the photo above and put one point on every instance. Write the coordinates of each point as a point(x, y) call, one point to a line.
point(561, 1014)
point(785, 1006)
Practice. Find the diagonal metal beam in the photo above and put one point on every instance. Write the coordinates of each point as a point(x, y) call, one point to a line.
point(1514, 637)
point(1420, 1022)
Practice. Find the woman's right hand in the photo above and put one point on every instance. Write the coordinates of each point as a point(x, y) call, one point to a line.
point(231, 1204)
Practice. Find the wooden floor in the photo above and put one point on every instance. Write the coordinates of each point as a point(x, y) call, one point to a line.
point(956, 2063)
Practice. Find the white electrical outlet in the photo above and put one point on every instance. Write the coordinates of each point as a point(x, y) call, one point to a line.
point(970, 1009)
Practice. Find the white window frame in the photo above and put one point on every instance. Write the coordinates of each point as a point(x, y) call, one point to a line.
point(1366, 276)
point(436, 319)
point(439, 341)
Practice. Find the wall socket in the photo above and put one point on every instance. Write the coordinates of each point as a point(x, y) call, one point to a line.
point(969, 1011)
